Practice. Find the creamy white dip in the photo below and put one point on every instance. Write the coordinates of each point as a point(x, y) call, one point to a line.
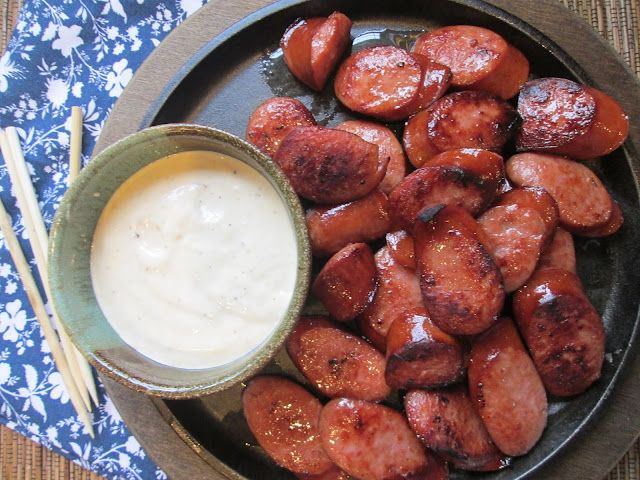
point(194, 260)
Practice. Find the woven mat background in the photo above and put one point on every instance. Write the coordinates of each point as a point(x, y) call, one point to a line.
point(616, 20)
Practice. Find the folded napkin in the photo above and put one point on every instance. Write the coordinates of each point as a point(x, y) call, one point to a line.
point(65, 53)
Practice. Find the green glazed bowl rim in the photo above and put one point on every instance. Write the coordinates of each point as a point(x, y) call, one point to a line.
point(257, 358)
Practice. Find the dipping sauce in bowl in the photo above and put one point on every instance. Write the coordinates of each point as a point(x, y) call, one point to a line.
point(194, 260)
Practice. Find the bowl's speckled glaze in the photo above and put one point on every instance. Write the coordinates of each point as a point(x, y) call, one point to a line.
point(69, 267)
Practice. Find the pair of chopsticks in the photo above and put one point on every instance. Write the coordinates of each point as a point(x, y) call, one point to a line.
point(74, 369)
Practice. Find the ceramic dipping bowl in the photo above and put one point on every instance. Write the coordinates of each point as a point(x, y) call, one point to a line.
point(69, 266)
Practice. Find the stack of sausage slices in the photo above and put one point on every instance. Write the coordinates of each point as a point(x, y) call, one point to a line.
point(460, 238)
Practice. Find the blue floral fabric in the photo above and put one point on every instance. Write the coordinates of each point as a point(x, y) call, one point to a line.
point(65, 53)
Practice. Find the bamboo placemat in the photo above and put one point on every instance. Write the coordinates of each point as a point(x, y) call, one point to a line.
point(22, 459)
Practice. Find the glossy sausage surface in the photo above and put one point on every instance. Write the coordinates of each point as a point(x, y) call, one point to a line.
point(273, 120)
point(536, 198)
point(446, 421)
point(515, 238)
point(347, 282)
point(460, 283)
point(583, 201)
point(507, 390)
point(332, 228)
point(284, 418)
point(379, 81)
point(370, 441)
point(562, 330)
point(400, 245)
point(388, 147)
point(328, 43)
point(398, 290)
point(329, 166)
point(337, 363)
point(560, 253)
point(419, 354)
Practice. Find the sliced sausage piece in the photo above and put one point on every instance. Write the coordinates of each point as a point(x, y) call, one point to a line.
point(370, 441)
point(337, 363)
point(274, 119)
point(608, 130)
point(379, 81)
point(296, 47)
point(429, 186)
point(563, 331)
point(470, 120)
point(419, 354)
point(563, 117)
point(347, 282)
point(328, 43)
point(364, 220)
point(416, 141)
point(507, 390)
point(330, 166)
point(610, 227)
point(460, 283)
point(583, 202)
point(560, 253)
point(479, 59)
point(446, 421)
point(400, 245)
point(332, 474)
point(436, 79)
point(515, 237)
point(536, 198)
point(398, 290)
point(388, 147)
point(284, 418)
point(486, 165)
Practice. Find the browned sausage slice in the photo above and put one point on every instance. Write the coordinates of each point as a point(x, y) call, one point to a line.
point(370, 441)
point(419, 354)
point(284, 418)
point(330, 166)
point(379, 81)
point(446, 421)
point(616, 219)
point(337, 363)
point(560, 253)
point(364, 220)
point(328, 43)
point(515, 238)
point(478, 58)
point(536, 198)
point(347, 282)
point(296, 47)
point(400, 245)
point(486, 165)
point(436, 79)
point(583, 201)
point(274, 119)
point(416, 141)
point(398, 290)
point(507, 390)
point(563, 117)
point(429, 186)
point(388, 147)
point(608, 130)
point(470, 120)
point(460, 283)
point(563, 331)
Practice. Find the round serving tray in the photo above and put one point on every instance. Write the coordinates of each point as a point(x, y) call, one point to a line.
point(217, 67)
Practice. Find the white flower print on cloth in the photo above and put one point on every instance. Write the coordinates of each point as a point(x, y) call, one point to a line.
point(65, 53)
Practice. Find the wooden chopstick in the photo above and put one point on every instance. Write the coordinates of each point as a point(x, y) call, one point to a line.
point(41, 314)
point(74, 170)
point(39, 249)
point(38, 238)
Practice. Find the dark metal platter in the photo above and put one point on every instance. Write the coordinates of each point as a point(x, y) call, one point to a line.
point(213, 71)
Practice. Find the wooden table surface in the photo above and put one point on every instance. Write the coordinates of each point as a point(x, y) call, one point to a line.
point(20, 458)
